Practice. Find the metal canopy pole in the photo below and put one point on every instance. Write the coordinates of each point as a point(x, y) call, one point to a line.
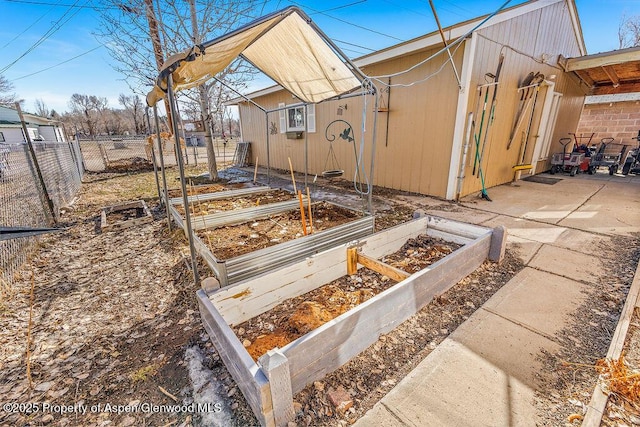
point(444, 41)
point(306, 146)
point(164, 175)
point(185, 196)
point(373, 146)
point(153, 156)
point(266, 116)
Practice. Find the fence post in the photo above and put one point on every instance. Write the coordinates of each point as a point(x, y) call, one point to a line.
point(37, 166)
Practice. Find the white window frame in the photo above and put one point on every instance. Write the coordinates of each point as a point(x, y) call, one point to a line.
point(284, 116)
point(295, 118)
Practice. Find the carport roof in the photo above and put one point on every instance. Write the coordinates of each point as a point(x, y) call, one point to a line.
point(607, 73)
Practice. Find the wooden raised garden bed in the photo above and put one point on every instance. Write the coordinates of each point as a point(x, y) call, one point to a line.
point(269, 384)
point(272, 238)
point(125, 215)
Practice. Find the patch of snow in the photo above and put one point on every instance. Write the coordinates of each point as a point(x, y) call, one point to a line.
point(207, 390)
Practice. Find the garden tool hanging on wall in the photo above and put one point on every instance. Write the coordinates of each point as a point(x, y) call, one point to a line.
point(477, 162)
point(528, 94)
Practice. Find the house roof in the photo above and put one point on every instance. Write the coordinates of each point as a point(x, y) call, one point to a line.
point(453, 32)
point(285, 45)
point(10, 116)
point(607, 73)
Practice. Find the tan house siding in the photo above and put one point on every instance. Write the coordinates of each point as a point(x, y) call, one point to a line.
point(416, 154)
point(618, 120)
point(523, 40)
point(414, 151)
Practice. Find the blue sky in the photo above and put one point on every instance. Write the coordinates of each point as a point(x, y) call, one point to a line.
point(63, 33)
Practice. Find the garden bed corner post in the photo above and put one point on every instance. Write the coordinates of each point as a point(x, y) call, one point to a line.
point(498, 244)
point(275, 366)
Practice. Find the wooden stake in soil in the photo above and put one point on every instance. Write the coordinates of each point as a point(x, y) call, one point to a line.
point(309, 206)
point(255, 171)
point(166, 393)
point(304, 222)
point(295, 190)
point(28, 356)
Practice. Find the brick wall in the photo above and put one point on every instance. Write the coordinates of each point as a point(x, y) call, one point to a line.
point(619, 120)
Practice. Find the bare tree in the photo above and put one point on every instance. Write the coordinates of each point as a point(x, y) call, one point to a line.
point(91, 108)
point(134, 106)
point(7, 96)
point(41, 108)
point(629, 31)
point(130, 35)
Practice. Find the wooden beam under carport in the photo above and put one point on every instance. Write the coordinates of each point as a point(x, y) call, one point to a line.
point(611, 90)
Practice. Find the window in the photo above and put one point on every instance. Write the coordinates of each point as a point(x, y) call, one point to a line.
point(292, 119)
point(295, 118)
point(1, 137)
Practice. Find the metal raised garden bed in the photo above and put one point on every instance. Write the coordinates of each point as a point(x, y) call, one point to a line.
point(224, 194)
point(249, 265)
point(269, 384)
point(237, 216)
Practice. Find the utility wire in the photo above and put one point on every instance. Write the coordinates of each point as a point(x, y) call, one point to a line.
point(406, 8)
point(457, 42)
point(75, 5)
point(30, 26)
point(51, 31)
point(344, 21)
point(341, 7)
point(58, 64)
point(354, 45)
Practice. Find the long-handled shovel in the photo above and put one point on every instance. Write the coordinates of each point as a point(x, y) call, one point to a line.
point(492, 110)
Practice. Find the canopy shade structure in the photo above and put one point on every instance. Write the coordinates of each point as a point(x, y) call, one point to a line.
point(284, 45)
point(607, 73)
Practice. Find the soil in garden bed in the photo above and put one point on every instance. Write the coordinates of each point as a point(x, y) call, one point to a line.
point(297, 316)
point(125, 215)
point(240, 202)
point(232, 241)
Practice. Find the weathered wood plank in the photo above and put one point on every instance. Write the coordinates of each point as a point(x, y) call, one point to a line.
point(380, 267)
point(498, 244)
point(246, 373)
point(438, 234)
point(455, 227)
point(598, 401)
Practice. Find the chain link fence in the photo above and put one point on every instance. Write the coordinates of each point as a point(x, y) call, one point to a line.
point(115, 153)
point(32, 191)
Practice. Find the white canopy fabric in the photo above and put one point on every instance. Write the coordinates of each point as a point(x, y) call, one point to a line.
point(285, 45)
